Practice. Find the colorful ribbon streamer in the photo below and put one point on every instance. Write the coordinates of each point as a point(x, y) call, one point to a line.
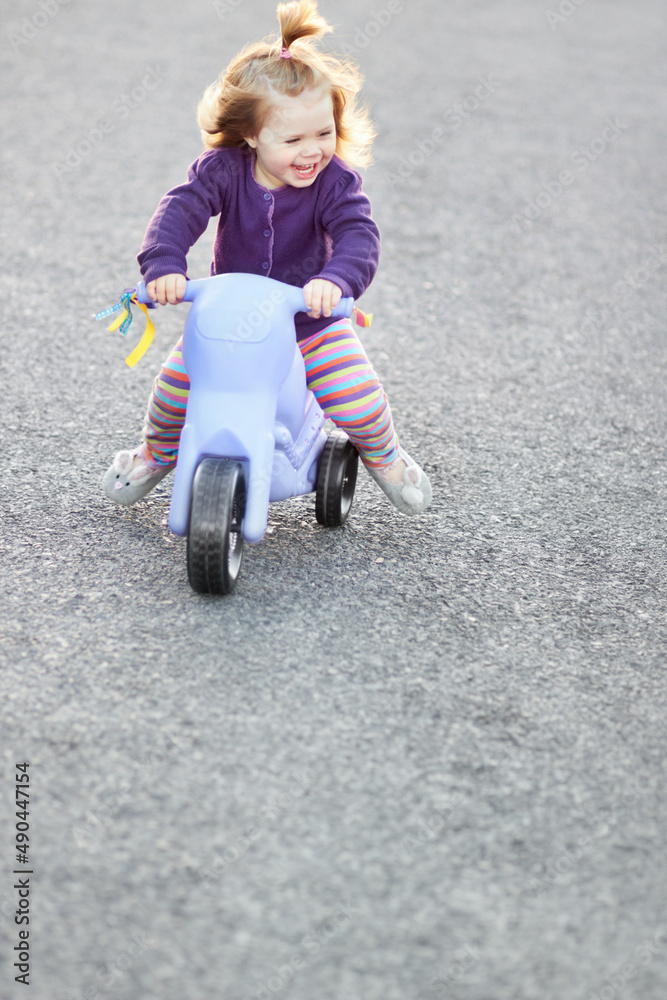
point(122, 323)
point(362, 318)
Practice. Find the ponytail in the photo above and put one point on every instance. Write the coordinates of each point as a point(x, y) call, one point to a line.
point(300, 20)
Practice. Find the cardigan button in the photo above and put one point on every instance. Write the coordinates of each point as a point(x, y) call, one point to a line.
point(265, 265)
point(267, 196)
point(267, 232)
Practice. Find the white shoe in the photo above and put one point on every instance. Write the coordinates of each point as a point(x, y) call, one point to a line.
point(414, 494)
point(127, 480)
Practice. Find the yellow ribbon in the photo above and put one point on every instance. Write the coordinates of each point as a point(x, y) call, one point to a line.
point(147, 337)
point(118, 321)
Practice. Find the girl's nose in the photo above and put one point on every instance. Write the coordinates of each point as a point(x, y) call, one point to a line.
point(311, 150)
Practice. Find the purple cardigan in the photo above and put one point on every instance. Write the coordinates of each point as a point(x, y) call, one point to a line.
point(292, 234)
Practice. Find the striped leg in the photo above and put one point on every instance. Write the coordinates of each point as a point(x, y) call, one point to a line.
point(166, 410)
point(345, 385)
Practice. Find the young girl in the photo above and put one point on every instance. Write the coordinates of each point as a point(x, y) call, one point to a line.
point(281, 126)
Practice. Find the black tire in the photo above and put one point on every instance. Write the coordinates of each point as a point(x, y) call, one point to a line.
point(215, 539)
point(336, 479)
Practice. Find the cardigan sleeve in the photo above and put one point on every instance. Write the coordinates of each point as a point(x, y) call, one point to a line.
point(355, 238)
point(182, 216)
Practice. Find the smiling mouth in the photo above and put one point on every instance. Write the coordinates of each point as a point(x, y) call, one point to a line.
point(306, 172)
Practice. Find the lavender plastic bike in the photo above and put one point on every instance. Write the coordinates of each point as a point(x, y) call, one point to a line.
point(254, 433)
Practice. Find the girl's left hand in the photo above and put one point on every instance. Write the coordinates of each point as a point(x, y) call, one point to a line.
point(321, 296)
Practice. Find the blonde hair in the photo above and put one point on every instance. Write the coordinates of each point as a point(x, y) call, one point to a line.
point(238, 103)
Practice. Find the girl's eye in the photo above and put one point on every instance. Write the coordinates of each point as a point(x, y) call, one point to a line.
point(321, 135)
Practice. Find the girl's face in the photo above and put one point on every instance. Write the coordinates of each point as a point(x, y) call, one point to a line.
point(297, 140)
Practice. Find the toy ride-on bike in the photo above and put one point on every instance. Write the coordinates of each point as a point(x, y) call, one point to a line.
point(254, 433)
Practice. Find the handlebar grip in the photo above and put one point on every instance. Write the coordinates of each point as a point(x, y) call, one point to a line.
point(142, 294)
point(144, 297)
point(344, 309)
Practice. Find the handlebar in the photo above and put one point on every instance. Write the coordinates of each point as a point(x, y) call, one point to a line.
point(342, 311)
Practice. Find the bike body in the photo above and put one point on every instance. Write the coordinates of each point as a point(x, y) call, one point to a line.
point(248, 400)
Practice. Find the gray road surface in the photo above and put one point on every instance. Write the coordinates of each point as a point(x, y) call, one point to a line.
point(408, 759)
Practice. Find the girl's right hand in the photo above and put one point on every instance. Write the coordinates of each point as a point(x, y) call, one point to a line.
point(168, 289)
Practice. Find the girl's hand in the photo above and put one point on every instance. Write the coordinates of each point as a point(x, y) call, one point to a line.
point(168, 289)
point(321, 296)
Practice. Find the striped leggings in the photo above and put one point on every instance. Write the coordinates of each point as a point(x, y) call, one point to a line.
point(338, 373)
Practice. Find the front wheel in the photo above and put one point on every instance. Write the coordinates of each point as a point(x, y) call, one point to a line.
point(336, 479)
point(215, 538)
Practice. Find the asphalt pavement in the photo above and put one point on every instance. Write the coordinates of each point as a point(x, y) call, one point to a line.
point(411, 758)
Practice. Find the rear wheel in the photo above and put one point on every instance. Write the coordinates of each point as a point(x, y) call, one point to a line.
point(336, 480)
point(215, 539)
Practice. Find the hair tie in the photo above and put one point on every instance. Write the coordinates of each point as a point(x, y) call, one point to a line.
point(285, 53)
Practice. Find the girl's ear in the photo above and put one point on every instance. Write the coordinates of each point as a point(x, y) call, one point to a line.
point(251, 140)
